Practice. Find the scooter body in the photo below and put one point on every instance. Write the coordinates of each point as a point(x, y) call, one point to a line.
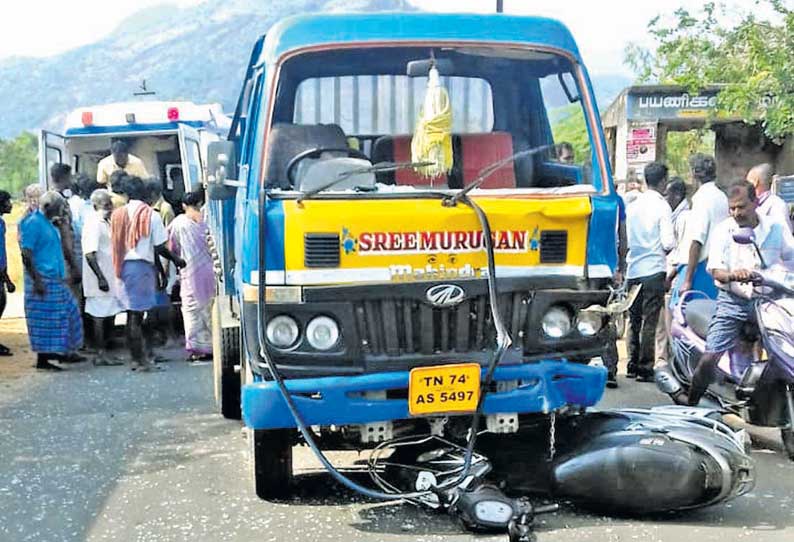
point(759, 389)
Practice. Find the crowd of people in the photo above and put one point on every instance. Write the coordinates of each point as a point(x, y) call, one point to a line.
point(94, 248)
point(670, 244)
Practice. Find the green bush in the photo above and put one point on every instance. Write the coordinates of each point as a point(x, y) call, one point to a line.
point(18, 163)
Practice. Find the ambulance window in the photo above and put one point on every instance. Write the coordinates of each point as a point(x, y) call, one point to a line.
point(389, 104)
point(194, 164)
point(54, 156)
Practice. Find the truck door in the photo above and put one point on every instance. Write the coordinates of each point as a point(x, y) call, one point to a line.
point(190, 151)
point(52, 150)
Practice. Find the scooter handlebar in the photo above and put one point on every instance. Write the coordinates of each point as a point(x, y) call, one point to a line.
point(777, 279)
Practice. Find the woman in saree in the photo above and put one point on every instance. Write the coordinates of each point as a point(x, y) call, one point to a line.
point(187, 236)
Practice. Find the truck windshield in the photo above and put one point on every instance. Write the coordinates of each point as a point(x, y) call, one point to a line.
point(367, 107)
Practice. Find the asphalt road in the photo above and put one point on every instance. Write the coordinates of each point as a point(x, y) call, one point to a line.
point(106, 454)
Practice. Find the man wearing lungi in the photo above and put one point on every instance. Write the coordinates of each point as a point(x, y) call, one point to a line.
point(732, 266)
point(137, 237)
point(53, 317)
point(187, 236)
point(99, 280)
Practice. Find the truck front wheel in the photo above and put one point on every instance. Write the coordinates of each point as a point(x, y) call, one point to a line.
point(271, 462)
point(225, 356)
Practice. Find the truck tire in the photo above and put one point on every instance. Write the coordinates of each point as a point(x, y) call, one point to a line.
point(787, 434)
point(271, 462)
point(225, 355)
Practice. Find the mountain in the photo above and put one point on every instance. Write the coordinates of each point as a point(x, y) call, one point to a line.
point(195, 53)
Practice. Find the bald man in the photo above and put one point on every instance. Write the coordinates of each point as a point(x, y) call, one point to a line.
point(769, 205)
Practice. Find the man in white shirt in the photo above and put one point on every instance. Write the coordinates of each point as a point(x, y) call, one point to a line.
point(709, 208)
point(138, 237)
point(732, 266)
point(769, 204)
point(649, 227)
point(99, 280)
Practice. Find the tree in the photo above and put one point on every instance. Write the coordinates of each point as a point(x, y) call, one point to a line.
point(682, 145)
point(751, 58)
point(18, 163)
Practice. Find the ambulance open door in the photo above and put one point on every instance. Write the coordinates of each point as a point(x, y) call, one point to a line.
point(190, 151)
point(52, 150)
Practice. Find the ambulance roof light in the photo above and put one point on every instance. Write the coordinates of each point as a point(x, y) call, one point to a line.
point(173, 114)
point(87, 118)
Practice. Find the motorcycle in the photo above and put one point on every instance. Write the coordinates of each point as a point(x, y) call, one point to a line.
point(758, 390)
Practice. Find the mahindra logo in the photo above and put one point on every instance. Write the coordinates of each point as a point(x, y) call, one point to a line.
point(445, 295)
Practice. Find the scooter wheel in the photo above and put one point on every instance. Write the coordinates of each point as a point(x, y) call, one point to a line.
point(787, 434)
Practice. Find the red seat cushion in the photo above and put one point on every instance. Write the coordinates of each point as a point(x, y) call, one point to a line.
point(481, 150)
point(401, 145)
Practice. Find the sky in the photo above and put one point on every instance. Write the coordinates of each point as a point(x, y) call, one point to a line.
point(602, 28)
point(49, 27)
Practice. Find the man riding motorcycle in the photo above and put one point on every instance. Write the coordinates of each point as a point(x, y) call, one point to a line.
point(733, 266)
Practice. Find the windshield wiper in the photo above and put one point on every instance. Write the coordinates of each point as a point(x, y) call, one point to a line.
point(489, 170)
point(375, 168)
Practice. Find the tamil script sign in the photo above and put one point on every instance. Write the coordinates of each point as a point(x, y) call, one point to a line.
point(671, 105)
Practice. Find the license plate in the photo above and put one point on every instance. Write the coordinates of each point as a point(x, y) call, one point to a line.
point(444, 389)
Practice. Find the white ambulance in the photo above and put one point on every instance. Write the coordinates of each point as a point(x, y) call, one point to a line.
point(169, 137)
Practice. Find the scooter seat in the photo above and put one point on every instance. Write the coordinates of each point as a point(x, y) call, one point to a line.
point(698, 314)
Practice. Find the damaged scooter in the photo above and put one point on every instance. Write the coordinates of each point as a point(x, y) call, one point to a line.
point(760, 391)
point(623, 462)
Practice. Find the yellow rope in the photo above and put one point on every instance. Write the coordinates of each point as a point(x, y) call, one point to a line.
point(432, 141)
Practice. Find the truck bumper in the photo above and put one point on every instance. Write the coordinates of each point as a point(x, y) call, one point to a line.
point(548, 385)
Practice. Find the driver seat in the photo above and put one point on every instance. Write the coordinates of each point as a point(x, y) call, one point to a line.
point(698, 314)
point(286, 141)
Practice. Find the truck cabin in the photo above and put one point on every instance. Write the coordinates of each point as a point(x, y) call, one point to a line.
point(166, 136)
point(334, 122)
point(350, 259)
point(505, 102)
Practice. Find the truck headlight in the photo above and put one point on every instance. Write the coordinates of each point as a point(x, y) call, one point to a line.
point(589, 323)
point(282, 331)
point(322, 333)
point(556, 323)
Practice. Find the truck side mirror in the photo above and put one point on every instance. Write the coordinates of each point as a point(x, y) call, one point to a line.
point(221, 170)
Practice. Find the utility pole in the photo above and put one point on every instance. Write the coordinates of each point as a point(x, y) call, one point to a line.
point(500, 6)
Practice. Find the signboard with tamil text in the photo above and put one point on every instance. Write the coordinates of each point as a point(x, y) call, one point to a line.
point(670, 105)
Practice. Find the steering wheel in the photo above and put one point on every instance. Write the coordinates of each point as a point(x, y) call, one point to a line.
point(316, 152)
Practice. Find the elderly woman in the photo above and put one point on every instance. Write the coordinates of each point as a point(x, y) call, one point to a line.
point(53, 317)
point(188, 238)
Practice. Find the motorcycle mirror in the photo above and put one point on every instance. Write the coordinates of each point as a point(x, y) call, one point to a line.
point(744, 236)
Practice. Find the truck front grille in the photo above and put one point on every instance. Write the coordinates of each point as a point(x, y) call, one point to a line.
point(406, 326)
point(553, 246)
point(321, 250)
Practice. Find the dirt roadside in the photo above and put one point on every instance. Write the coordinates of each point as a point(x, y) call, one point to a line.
point(16, 369)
